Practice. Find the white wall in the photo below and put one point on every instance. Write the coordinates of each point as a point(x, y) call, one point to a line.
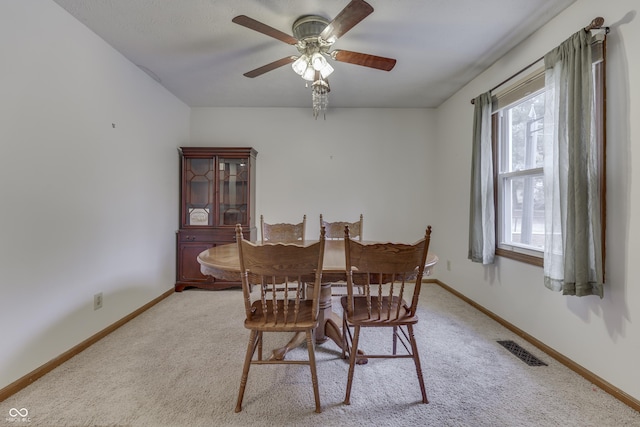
point(601, 335)
point(84, 207)
point(377, 162)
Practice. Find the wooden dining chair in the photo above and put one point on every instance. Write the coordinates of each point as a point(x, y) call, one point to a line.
point(283, 232)
point(265, 266)
point(335, 230)
point(388, 273)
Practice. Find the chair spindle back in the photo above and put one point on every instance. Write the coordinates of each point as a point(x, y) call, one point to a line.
point(335, 230)
point(283, 232)
point(384, 270)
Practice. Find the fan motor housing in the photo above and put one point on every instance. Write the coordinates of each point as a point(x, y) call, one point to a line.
point(309, 26)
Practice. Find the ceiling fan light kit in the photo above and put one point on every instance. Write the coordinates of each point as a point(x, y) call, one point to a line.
point(313, 37)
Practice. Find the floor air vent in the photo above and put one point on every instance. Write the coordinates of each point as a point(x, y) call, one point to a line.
point(522, 354)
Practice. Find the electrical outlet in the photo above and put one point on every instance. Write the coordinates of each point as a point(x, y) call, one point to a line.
point(448, 265)
point(97, 301)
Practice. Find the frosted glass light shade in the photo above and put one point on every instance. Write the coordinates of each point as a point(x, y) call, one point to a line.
point(326, 70)
point(300, 65)
point(318, 62)
point(309, 74)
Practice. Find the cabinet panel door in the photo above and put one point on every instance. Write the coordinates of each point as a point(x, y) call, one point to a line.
point(190, 268)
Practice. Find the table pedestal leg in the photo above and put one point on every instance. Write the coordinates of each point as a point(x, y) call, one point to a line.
point(297, 340)
point(324, 313)
point(328, 328)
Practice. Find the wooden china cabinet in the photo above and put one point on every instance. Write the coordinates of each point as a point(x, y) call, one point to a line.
point(217, 191)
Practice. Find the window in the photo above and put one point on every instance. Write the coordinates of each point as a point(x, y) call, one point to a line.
point(520, 175)
point(517, 120)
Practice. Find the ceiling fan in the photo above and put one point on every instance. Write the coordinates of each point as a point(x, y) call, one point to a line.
point(314, 36)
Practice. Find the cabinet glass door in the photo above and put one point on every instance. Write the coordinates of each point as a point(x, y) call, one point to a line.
point(199, 197)
point(233, 191)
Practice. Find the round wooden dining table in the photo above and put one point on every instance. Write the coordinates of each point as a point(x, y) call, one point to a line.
point(222, 262)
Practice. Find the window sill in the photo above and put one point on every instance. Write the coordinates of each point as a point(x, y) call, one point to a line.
point(518, 256)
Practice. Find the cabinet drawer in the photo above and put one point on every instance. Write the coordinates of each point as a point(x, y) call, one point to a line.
point(195, 237)
point(218, 235)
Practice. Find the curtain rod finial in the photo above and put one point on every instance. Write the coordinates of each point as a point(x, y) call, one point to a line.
point(595, 24)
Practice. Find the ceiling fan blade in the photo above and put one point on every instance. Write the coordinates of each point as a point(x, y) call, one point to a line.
point(258, 26)
point(353, 13)
point(366, 60)
point(271, 66)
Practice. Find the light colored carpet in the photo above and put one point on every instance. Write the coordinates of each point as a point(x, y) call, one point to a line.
point(179, 364)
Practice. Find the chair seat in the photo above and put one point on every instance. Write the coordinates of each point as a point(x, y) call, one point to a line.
point(303, 321)
point(361, 314)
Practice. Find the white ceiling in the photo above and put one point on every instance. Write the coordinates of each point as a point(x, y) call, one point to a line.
point(194, 50)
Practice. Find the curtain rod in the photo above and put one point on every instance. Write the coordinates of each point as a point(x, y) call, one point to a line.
point(595, 24)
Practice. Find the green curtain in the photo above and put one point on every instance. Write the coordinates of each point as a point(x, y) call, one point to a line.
point(482, 243)
point(573, 246)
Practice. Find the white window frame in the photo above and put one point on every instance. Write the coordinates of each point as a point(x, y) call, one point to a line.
point(531, 86)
